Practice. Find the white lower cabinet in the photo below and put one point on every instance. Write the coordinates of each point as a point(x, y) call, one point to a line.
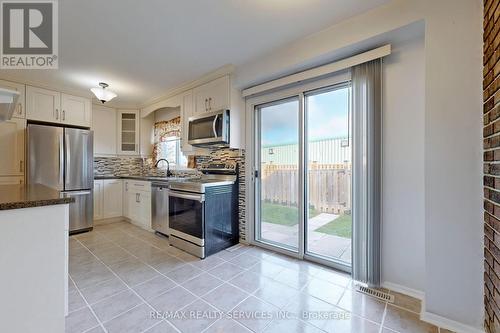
point(98, 199)
point(112, 205)
point(144, 218)
point(107, 198)
point(138, 201)
point(132, 211)
point(127, 198)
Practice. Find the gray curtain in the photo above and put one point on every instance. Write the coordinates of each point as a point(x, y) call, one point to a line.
point(367, 114)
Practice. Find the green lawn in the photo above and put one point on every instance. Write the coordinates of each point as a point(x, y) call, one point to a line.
point(284, 215)
point(341, 226)
point(289, 216)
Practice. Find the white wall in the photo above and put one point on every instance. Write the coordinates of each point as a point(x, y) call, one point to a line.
point(453, 161)
point(166, 114)
point(452, 277)
point(403, 222)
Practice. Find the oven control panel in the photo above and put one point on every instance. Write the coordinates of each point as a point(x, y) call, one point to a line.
point(226, 167)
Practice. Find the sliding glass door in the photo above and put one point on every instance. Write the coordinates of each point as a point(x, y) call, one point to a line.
point(278, 206)
point(328, 225)
point(303, 174)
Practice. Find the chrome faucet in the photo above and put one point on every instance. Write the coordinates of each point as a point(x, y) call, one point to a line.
point(168, 166)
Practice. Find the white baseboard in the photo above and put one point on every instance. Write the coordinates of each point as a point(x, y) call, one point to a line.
point(108, 220)
point(448, 323)
point(418, 294)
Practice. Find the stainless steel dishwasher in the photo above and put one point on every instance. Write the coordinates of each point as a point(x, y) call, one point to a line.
point(159, 207)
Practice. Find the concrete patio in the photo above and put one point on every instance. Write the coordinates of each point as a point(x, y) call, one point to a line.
point(319, 243)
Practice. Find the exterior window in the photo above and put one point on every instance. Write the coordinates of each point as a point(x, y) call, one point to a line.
point(167, 143)
point(170, 149)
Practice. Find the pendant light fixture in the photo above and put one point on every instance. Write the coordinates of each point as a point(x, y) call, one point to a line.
point(102, 93)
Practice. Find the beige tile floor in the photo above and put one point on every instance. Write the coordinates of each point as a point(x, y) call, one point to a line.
point(124, 279)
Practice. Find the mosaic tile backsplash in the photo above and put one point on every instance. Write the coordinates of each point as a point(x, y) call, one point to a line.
point(124, 166)
point(118, 166)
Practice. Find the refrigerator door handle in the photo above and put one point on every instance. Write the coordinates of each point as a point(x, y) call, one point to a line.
point(72, 193)
point(61, 160)
point(68, 159)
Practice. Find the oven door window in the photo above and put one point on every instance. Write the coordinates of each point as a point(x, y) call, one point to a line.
point(186, 215)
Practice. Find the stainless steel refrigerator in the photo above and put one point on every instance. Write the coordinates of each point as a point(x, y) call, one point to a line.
point(62, 158)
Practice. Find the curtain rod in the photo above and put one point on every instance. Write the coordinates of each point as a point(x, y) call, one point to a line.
point(320, 71)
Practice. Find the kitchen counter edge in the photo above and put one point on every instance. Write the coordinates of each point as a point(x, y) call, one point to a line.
point(28, 196)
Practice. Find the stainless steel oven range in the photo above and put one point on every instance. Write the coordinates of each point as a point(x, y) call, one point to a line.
point(203, 213)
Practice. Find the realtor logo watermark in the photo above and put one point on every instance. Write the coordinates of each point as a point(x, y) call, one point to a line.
point(29, 33)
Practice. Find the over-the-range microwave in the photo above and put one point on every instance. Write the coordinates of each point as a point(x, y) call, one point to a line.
point(209, 130)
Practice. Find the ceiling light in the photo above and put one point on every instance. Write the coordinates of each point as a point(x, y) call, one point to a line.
point(102, 94)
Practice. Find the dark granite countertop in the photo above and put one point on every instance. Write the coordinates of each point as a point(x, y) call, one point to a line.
point(107, 177)
point(25, 196)
point(138, 177)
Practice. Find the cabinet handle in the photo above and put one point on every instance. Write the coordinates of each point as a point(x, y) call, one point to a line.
point(206, 108)
point(57, 113)
point(21, 168)
point(139, 195)
point(64, 115)
point(126, 187)
point(20, 108)
point(210, 103)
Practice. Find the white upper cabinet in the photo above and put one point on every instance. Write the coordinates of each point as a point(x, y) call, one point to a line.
point(43, 104)
point(147, 134)
point(55, 107)
point(213, 96)
point(76, 110)
point(104, 126)
point(20, 111)
point(220, 94)
point(128, 132)
point(186, 112)
point(12, 147)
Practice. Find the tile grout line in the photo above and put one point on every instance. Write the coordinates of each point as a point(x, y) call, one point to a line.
point(225, 260)
point(228, 281)
point(200, 297)
point(130, 287)
point(383, 317)
point(176, 284)
point(126, 284)
point(88, 305)
point(179, 285)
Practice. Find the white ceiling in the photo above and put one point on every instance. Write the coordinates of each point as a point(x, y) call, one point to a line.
point(143, 48)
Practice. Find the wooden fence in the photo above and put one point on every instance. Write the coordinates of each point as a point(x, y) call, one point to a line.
point(329, 186)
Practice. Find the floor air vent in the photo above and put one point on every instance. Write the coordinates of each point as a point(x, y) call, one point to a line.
point(376, 293)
